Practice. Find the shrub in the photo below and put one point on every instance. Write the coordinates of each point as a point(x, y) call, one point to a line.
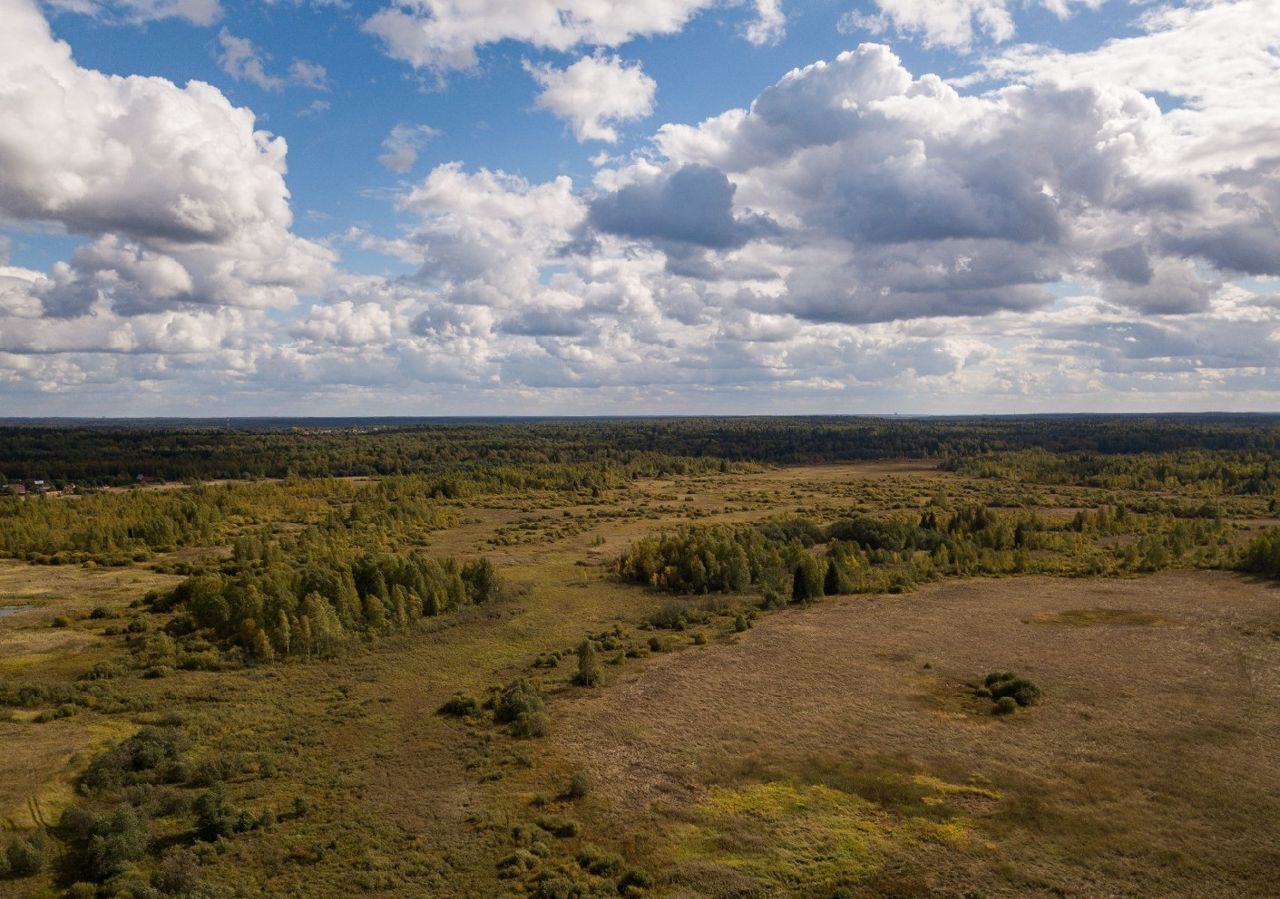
point(518, 697)
point(461, 705)
point(699, 639)
point(518, 862)
point(1007, 684)
point(588, 665)
point(26, 855)
point(301, 806)
point(674, 616)
point(655, 644)
point(560, 827)
point(215, 818)
point(598, 862)
point(634, 878)
point(177, 874)
point(1005, 705)
point(579, 786)
point(741, 623)
point(82, 890)
point(103, 846)
point(61, 621)
point(520, 705)
point(531, 724)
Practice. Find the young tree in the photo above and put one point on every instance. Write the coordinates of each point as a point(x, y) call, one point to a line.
point(588, 665)
point(831, 583)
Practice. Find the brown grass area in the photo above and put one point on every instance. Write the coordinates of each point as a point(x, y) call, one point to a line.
point(1149, 769)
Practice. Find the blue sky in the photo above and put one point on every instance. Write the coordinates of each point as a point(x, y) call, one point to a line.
point(968, 205)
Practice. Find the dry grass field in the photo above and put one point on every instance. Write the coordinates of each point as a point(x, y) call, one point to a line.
point(1114, 786)
point(829, 750)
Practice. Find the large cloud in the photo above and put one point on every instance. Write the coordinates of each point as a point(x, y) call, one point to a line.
point(185, 199)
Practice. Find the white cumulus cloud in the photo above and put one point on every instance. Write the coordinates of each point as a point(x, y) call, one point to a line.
point(595, 93)
point(445, 34)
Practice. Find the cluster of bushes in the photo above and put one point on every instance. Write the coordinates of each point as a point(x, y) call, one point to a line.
point(1262, 554)
point(1008, 692)
point(108, 835)
point(518, 705)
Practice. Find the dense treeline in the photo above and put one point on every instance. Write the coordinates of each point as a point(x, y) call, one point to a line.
point(1203, 472)
point(116, 527)
point(307, 596)
point(117, 453)
point(799, 559)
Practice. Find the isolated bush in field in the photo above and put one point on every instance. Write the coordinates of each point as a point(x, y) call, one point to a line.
point(520, 706)
point(588, 665)
point(461, 705)
point(655, 644)
point(741, 623)
point(1007, 684)
point(1005, 705)
point(61, 621)
point(699, 639)
point(579, 787)
point(301, 807)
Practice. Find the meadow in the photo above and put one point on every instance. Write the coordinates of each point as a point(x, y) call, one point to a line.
point(691, 660)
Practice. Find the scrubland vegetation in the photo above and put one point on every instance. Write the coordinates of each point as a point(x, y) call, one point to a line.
point(547, 659)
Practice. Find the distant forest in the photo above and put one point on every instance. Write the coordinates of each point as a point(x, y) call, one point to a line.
point(104, 453)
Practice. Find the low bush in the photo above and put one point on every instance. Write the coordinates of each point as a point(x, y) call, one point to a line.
point(520, 706)
point(1003, 684)
point(560, 827)
point(579, 787)
point(461, 705)
point(599, 862)
point(25, 855)
point(531, 724)
point(1005, 705)
point(634, 878)
point(674, 616)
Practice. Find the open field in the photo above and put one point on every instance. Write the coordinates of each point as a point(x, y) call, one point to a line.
point(827, 749)
point(1112, 787)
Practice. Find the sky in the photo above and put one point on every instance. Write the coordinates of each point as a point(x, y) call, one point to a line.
point(592, 207)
